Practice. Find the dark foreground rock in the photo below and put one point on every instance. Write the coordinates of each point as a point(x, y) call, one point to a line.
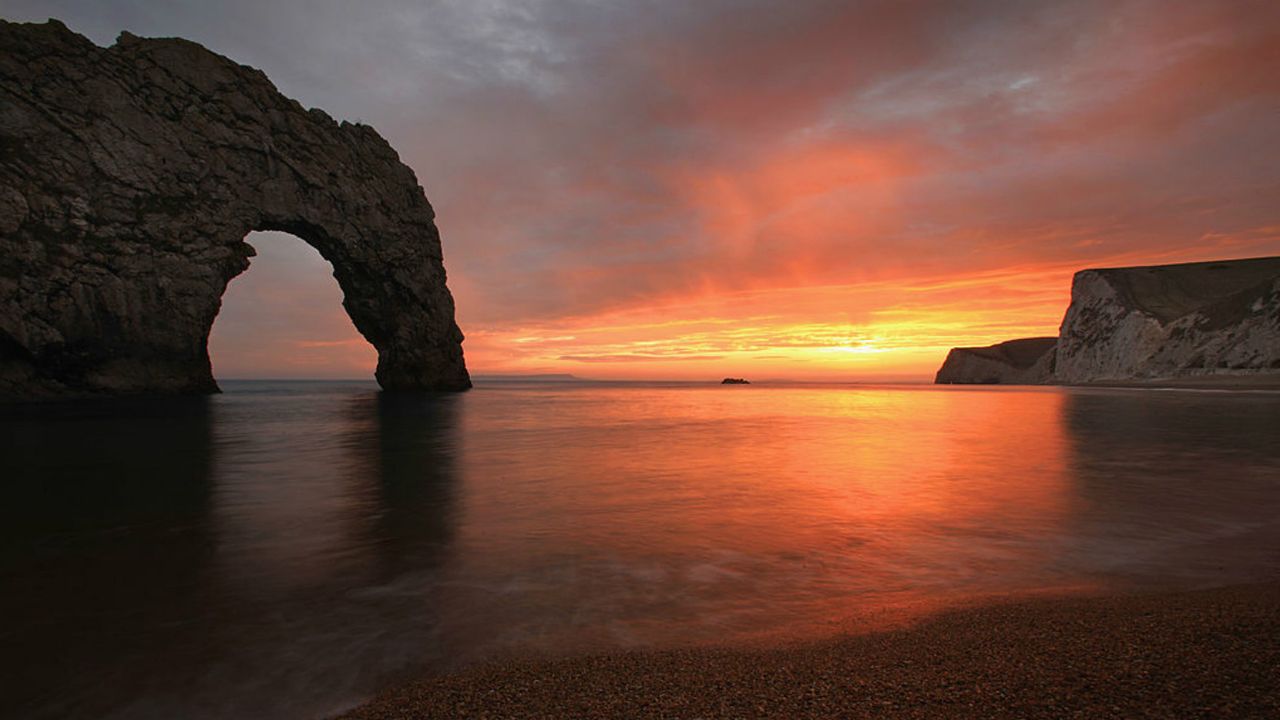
point(1016, 362)
point(1209, 323)
point(129, 177)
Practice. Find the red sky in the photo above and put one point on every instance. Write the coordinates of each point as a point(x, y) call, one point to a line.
point(822, 190)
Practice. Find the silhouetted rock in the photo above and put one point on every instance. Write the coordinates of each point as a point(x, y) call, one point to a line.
point(130, 176)
point(734, 381)
point(1016, 362)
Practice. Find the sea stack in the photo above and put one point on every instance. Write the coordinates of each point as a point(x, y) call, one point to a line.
point(131, 176)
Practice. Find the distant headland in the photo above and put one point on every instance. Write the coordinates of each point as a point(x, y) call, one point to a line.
point(1211, 323)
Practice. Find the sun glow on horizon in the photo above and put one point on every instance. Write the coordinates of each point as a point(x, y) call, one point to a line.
point(885, 330)
point(798, 333)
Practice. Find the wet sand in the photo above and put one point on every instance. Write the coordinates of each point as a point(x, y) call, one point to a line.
point(1209, 653)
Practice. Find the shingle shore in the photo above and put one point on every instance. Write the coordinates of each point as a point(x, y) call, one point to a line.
point(1201, 654)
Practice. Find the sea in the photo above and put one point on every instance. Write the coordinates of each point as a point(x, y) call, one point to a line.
point(287, 549)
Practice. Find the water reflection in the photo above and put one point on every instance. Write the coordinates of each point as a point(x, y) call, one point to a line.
point(1162, 426)
point(283, 549)
point(411, 452)
point(333, 512)
point(226, 557)
point(1177, 488)
point(703, 515)
point(104, 516)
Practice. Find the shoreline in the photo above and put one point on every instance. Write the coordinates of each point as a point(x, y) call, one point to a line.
point(1199, 653)
point(1257, 381)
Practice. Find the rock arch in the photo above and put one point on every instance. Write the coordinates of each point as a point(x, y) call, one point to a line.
point(280, 318)
point(129, 178)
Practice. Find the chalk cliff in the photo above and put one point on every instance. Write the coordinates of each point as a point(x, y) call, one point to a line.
point(1016, 362)
point(1208, 320)
point(129, 177)
point(1172, 321)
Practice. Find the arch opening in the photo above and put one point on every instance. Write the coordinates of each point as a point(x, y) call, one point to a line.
point(283, 318)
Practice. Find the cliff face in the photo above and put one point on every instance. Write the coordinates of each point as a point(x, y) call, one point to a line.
point(1149, 324)
point(1016, 362)
point(1172, 321)
point(129, 177)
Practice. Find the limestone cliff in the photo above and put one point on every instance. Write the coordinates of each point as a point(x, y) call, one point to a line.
point(1168, 323)
point(1016, 362)
point(1172, 321)
point(129, 177)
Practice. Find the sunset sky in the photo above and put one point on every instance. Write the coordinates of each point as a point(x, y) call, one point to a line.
point(808, 190)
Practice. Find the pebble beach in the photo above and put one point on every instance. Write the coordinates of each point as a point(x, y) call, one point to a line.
point(1197, 654)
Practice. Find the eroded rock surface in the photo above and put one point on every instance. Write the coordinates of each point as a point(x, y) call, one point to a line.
point(129, 177)
point(1016, 362)
point(1172, 321)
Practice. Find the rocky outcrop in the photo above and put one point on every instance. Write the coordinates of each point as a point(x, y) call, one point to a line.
point(1209, 321)
point(129, 177)
point(1172, 321)
point(1016, 362)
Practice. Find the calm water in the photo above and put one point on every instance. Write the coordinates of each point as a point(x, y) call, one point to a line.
point(285, 548)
